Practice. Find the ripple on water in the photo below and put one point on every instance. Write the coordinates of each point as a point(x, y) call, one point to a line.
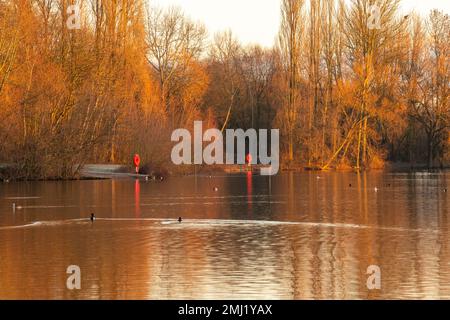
point(220, 259)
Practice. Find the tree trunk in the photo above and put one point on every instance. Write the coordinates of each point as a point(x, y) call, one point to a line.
point(358, 154)
point(364, 150)
point(291, 147)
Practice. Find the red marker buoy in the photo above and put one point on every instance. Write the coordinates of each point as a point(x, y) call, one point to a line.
point(137, 162)
point(248, 158)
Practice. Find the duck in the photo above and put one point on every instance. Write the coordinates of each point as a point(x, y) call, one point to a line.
point(180, 219)
point(92, 217)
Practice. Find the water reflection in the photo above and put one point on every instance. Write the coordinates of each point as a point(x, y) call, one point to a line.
point(321, 234)
point(249, 192)
point(137, 197)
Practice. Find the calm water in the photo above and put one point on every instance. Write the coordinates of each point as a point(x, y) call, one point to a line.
point(294, 236)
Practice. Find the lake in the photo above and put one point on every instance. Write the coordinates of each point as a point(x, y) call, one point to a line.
point(292, 236)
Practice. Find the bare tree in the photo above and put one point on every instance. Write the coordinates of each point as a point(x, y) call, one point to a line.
point(429, 78)
point(290, 36)
point(369, 49)
point(174, 43)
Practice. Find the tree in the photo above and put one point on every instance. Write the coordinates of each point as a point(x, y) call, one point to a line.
point(366, 45)
point(429, 76)
point(175, 45)
point(225, 68)
point(290, 36)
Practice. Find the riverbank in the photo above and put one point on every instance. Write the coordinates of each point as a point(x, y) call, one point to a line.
point(388, 166)
point(117, 171)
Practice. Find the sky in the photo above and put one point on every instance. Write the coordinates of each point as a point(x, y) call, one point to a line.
point(258, 21)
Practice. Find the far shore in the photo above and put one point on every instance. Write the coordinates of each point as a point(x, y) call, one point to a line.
point(118, 171)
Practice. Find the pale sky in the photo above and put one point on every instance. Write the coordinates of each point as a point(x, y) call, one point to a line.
point(258, 21)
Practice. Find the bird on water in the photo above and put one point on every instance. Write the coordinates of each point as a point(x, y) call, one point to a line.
point(92, 217)
point(179, 219)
